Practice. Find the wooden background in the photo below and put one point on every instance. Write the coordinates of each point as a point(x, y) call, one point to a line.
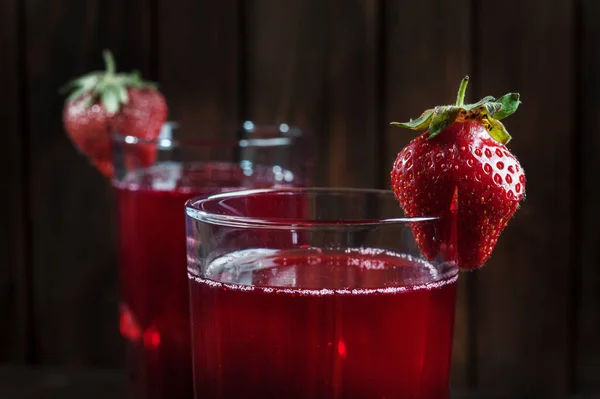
point(528, 324)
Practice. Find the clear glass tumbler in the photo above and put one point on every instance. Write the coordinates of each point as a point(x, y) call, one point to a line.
point(317, 293)
point(153, 180)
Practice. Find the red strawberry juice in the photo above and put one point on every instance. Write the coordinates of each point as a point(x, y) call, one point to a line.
point(310, 323)
point(154, 310)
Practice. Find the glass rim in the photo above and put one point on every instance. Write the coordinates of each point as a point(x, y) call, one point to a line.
point(283, 135)
point(194, 209)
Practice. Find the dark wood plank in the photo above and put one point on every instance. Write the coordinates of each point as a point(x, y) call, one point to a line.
point(313, 64)
point(426, 56)
point(13, 288)
point(198, 65)
point(50, 383)
point(523, 297)
point(74, 257)
point(588, 350)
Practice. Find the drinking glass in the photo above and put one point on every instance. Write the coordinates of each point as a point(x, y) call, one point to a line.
point(153, 179)
point(318, 293)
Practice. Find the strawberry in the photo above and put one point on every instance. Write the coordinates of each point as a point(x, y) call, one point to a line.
point(461, 171)
point(104, 102)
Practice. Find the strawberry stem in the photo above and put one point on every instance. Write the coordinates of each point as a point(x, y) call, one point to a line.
point(109, 61)
point(460, 98)
point(488, 111)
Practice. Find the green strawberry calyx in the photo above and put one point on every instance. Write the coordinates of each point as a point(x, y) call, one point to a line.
point(489, 111)
point(107, 86)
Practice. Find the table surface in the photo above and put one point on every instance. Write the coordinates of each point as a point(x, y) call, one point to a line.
point(19, 382)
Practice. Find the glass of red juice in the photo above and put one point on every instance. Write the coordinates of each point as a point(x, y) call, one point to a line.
point(316, 293)
point(153, 180)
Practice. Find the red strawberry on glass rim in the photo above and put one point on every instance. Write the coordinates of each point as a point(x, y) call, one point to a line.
point(461, 171)
point(103, 102)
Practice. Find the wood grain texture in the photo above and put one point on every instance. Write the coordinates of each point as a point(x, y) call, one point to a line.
point(587, 378)
point(523, 297)
point(342, 70)
point(74, 259)
point(199, 65)
point(14, 338)
point(313, 64)
point(424, 64)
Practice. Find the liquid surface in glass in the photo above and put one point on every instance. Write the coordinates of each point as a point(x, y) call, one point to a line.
point(154, 308)
point(312, 323)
